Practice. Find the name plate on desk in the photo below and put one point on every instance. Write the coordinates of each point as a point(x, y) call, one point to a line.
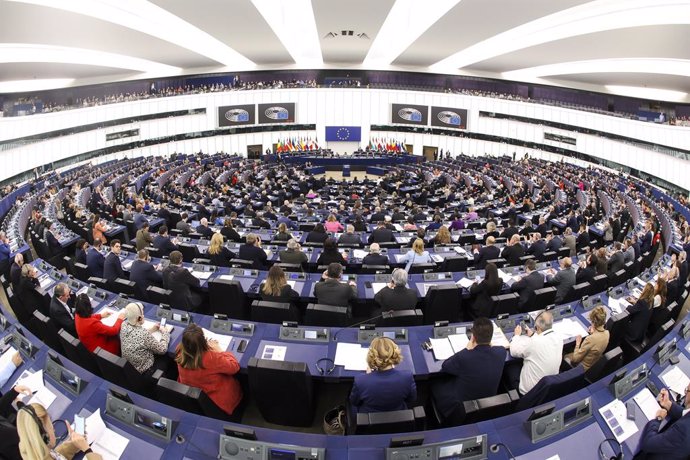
point(304, 334)
point(235, 448)
point(63, 376)
point(561, 312)
point(221, 323)
point(248, 272)
point(474, 448)
point(508, 323)
point(555, 422)
point(590, 302)
point(178, 316)
point(443, 330)
point(296, 276)
point(437, 276)
point(73, 284)
point(623, 383)
point(143, 420)
point(366, 335)
point(665, 350)
point(384, 278)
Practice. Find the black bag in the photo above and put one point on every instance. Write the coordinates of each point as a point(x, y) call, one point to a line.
point(335, 421)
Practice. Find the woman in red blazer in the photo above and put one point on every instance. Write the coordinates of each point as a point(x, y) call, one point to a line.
point(204, 365)
point(92, 332)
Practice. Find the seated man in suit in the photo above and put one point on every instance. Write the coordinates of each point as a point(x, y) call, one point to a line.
point(139, 217)
point(513, 251)
point(582, 237)
point(617, 260)
point(473, 373)
point(54, 245)
point(541, 351)
point(553, 241)
point(144, 274)
point(349, 237)
point(183, 225)
point(252, 250)
point(486, 253)
point(163, 243)
point(381, 234)
point(112, 268)
point(526, 286)
point(564, 280)
point(179, 280)
point(203, 229)
point(61, 313)
point(330, 291)
point(587, 270)
point(375, 257)
point(293, 254)
point(667, 436)
point(537, 248)
point(95, 260)
point(396, 295)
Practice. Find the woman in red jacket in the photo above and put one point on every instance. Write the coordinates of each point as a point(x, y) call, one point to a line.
point(92, 332)
point(204, 365)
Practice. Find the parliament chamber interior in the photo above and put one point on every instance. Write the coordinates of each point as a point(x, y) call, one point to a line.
point(330, 244)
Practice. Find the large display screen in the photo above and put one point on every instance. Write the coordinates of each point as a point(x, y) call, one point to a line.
point(409, 114)
point(449, 117)
point(279, 112)
point(235, 115)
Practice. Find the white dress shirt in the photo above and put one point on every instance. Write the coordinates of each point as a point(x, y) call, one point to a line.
point(541, 355)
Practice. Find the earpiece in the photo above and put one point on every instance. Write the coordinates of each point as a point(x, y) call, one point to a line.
point(41, 429)
point(616, 448)
point(328, 368)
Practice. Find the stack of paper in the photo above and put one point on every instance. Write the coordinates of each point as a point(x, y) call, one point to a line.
point(359, 254)
point(460, 250)
point(447, 347)
point(437, 258)
point(465, 282)
point(617, 305)
point(40, 393)
point(127, 264)
point(156, 334)
point(112, 319)
point(377, 287)
point(647, 403)
point(569, 327)
point(351, 355)
point(223, 340)
point(226, 277)
point(615, 415)
point(499, 339)
point(274, 352)
point(45, 281)
point(505, 277)
point(7, 357)
point(106, 442)
point(201, 275)
point(399, 257)
point(676, 380)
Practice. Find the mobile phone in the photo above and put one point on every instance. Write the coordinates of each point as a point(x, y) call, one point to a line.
point(79, 425)
point(630, 409)
point(163, 321)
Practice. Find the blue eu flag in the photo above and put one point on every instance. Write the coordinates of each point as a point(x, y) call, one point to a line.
point(343, 133)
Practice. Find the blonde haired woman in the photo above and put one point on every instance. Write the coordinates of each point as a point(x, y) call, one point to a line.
point(443, 236)
point(37, 437)
point(416, 255)
point(383, 387)
point(219, 255)
point(589, 350)
point(283, 234)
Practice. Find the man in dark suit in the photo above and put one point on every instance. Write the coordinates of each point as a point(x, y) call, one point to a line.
point(538, 246)
point(95, 260)
point(670, 441)
point(349, 237)
point(510, 230)
point(330, 291)
point(582, 237)
point(180, 281)
point(54, 245)
point(486, 253)
point(513, 251)
point(183, 225)
point(636, 246)
point(396, 295)
point(553, 242)
point(564, 280)
point(526, 286)
point(381, 234)
point(616, 261)
point(473, 373)
point(375, 257)
point(164, 213)
point(542, 228)
point(203, 229)
point(377, 216)
point(260, 222)
point(112, 268)
point(252, 250)
point(163, 243)
point(293, 254)
point(588, 269)
point(144, 274)
point(61, 313)
point(646, 238)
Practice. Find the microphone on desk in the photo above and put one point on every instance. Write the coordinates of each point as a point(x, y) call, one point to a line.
point(385, 314)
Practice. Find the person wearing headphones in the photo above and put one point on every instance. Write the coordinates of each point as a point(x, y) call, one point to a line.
point(143, 351)
point(383, 387)
point(667, 436)
point(9, 440)
point(37, 437)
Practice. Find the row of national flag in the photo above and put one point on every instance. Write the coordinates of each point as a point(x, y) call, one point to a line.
point(389, 145)
point(297, 145)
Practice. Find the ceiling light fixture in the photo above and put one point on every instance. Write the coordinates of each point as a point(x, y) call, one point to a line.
point(588, 18)
point(150, 19)
point(661, 66)
point(294, 24)
point(405, 23)
point(656, 94)
point(28, 52)
point(21, 86)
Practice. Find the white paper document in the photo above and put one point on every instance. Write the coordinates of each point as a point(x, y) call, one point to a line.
point(40, 393)
point(460, 250)
point(44, 397)
point(45, 281)
point(109, 444)
point(617, 305)
point(499, 339)
point(33, 381)
point(223, 340)
point(274, 352)
point(226, 277)
point(465, 282)
point(399, 257)
point(647, 403)
point(676, 380)
point(7, 356)
point(127, 264)
point(201, 275)
point(447, 347)
point(359, 254)
point(505, 277)
point(352, 356)
point(437, 258)
point(112, 319)
point(377, 287)
point(616, 418)
point(569, 327)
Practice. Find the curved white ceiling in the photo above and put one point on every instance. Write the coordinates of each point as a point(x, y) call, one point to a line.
point(596, 45)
